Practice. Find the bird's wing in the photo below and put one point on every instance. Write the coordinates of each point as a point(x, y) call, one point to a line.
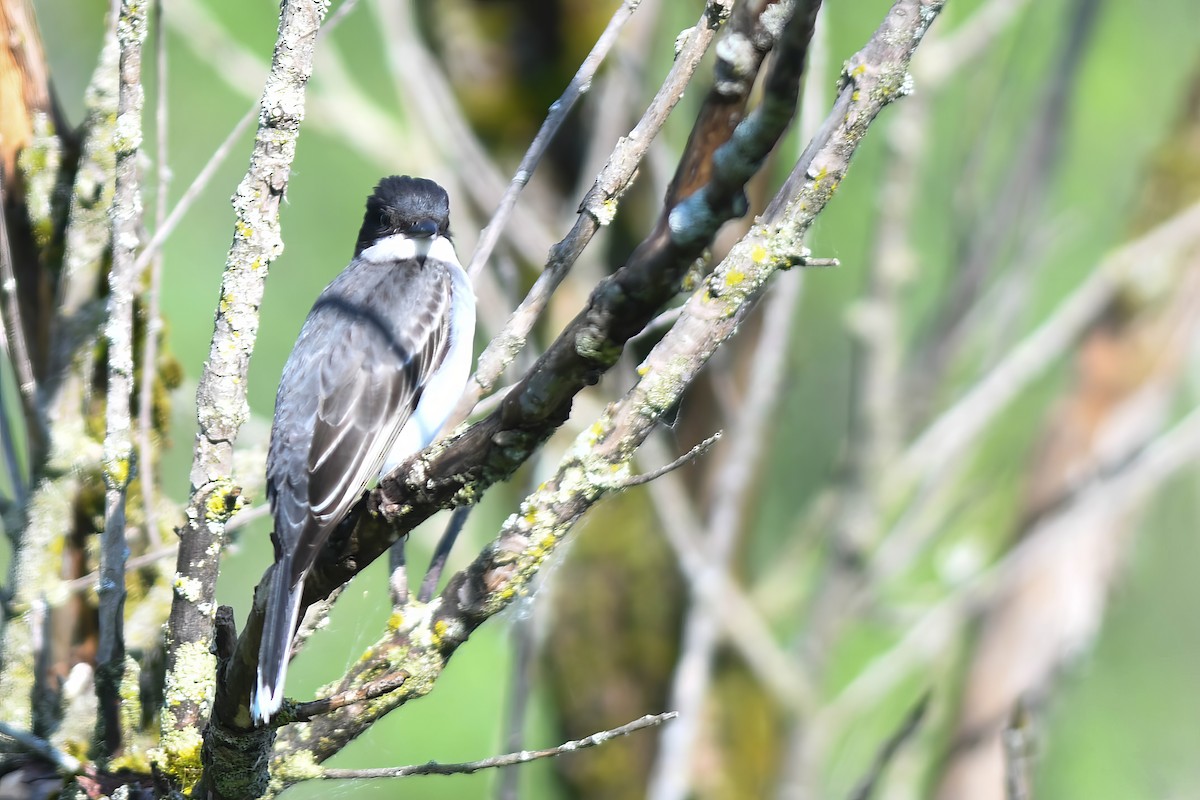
point(367, 378)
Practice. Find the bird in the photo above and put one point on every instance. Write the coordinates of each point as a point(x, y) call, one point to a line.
point(377, 369)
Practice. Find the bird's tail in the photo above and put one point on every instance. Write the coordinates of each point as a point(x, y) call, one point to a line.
point(279, 623)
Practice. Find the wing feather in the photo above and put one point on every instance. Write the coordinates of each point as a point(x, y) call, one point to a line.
point(376, 342)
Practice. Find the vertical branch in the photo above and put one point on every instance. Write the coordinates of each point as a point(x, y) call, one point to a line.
point(126, 215)
point(735, 478)
point(153, 312)
point(221, 395)
point(71, 451)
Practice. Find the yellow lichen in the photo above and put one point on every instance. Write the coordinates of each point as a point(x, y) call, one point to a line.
point(178, 757)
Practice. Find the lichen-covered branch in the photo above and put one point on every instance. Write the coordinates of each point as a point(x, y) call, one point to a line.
point(126, 216)
point(72, 456)
point(221, 395)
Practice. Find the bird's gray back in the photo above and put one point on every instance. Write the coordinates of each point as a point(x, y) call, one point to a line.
point(347, 389)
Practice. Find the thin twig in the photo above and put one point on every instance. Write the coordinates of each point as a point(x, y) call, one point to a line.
point(559, 110)
point(316, 617)
point(686, 458)
point(1017, 741)
point(378, 688)
point(15, 327)
point(398, 573)
point(163, 231)
point(507, 760)
point(90, 581)
point(126, 215)
point(907, 729)
point(442, 552)
point(598, 208)
point(153, 326)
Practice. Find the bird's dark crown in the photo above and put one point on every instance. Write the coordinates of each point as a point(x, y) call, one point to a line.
point(415, 207)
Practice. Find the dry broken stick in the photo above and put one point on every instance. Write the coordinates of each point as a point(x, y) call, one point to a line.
point(221, 395)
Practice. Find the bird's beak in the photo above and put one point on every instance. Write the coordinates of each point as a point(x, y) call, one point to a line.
point(424, 229)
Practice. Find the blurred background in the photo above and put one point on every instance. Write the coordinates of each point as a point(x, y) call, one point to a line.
point(952, 493)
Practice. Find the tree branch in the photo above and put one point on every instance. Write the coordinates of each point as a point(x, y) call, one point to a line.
point(508, 760)
point(580, 83)
point(598, 208)
point(126, 215)
point(221, 395)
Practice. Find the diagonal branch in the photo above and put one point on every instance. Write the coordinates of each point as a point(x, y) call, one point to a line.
point(597, 209)
point(580, 83)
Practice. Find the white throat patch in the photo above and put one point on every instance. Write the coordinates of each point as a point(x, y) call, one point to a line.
point(400, 247)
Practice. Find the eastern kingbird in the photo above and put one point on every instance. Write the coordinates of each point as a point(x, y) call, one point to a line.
point(376, 371)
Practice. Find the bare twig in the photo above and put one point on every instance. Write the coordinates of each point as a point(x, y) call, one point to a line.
point(126, 214)
point(442, 552)
point(683, 460)
point(146, 465)
point(907, 729)
point(1018, 754)
point(598, 208)
point(306, 711)
point(14, 328)
point(315, 618)
point(164, 230)
point(580, 84)
point(88, 582)
point(522, 757)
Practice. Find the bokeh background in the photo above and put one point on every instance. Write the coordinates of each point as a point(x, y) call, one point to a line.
point(1118, 721)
